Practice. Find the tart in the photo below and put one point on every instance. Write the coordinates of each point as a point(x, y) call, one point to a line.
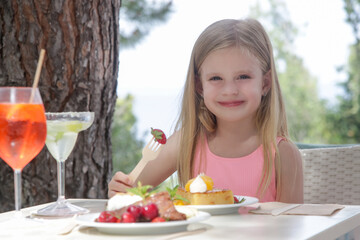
point(200, 191)
point(215, 196)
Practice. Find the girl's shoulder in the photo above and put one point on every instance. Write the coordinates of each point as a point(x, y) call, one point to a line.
point(284, 143)
point(175, 137)
point(173, 143)
point(289, 153)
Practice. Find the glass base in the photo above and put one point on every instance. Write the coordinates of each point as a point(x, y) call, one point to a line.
point(61, 209)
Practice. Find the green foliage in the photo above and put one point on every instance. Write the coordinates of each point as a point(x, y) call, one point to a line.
point(126, 148)
point(344, 117)
point(305, 110)
point(138, 17)
point(173, 196)
point(142, 191)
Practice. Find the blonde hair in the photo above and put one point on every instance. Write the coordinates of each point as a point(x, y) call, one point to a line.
point(195, 121)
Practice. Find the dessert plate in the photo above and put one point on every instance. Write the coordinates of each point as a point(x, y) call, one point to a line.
point(141, 228)
point(221, 209)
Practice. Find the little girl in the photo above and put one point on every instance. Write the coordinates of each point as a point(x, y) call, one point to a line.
point(232, 126)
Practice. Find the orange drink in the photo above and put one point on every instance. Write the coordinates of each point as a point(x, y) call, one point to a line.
point(22, 132)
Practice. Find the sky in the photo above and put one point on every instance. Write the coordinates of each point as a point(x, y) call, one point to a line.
point(154, 71)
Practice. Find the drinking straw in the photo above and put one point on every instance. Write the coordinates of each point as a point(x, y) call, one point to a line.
point(37, 73)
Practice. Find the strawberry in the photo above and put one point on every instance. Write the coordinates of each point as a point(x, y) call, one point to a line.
point(135, 210)
point(158, 219)
point(159, 135)
point(238, 200)
point(150, 211)
point(128, 218)
point(105, 216)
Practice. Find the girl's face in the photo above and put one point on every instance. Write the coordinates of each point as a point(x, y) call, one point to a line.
point(232, 84)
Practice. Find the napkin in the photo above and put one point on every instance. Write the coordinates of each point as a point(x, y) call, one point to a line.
point(33, 228)
point(279, 208)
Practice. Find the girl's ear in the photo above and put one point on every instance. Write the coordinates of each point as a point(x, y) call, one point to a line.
point(267, 82)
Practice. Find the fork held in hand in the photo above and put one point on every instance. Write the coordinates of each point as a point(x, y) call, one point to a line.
point(149, 153)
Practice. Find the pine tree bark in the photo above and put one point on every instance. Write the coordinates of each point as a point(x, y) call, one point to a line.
point(79, 74)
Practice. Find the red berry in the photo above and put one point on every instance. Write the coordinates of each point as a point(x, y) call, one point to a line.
point(158, 219)
point(236, 200)
point(135, 210)
point(149, 212)
point(105, 216)
point(127, 218)
point(159, 135)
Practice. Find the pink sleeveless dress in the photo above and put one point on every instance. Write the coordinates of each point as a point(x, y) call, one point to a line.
point(241, 175)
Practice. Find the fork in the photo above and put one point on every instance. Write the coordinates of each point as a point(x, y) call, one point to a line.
point(149, 153)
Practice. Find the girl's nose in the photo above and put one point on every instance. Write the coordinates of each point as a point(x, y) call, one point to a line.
point(230, 88)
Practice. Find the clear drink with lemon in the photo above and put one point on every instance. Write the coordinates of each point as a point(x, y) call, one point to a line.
point(62, 132)
point(62, 135)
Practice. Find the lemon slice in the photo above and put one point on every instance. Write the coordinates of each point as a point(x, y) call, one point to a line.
point(74, 126)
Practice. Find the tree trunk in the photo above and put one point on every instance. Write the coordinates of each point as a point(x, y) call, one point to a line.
point(79, 74)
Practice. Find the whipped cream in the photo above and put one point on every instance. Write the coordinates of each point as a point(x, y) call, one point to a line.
point(121, 200)
point(188, 211)
point(198, 185)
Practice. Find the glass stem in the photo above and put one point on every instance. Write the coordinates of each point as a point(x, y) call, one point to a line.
point(17, 190)
point(61, 180)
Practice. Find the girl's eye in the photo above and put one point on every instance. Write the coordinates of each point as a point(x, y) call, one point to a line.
point(244, 77)
point(215, 78)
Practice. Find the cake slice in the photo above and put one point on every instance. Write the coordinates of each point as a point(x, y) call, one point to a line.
point(215, 196)
point(201, 191)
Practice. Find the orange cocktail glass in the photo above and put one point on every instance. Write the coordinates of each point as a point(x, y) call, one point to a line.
point(22, 130)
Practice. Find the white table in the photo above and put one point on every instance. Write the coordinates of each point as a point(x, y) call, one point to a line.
point(232, 226)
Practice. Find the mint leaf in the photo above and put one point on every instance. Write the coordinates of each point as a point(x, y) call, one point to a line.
point(174, 196)
point(142, 191)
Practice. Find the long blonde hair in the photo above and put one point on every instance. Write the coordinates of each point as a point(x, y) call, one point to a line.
point(195, 122)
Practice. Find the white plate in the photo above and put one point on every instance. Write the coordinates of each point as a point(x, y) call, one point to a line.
point(140, 228)
point(226, 208)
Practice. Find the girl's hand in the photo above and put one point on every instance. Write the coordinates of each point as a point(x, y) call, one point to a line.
point(119, 183)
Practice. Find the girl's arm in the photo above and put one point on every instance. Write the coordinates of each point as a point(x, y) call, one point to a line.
point(155, 171)
point(290, 189)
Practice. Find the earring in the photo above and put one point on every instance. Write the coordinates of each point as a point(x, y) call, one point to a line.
point(264, 94)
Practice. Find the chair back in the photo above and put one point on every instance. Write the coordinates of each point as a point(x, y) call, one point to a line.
point(332, 175)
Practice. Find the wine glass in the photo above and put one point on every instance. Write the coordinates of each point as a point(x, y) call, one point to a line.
point(62, 132)
point(22, 131)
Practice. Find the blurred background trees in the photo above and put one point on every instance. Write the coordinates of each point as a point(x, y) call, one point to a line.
point(137, 18)
point(127, 148)
point(305, 110)
point(344, 117)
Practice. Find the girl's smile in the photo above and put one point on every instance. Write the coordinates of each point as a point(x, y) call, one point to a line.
point(231, 103)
